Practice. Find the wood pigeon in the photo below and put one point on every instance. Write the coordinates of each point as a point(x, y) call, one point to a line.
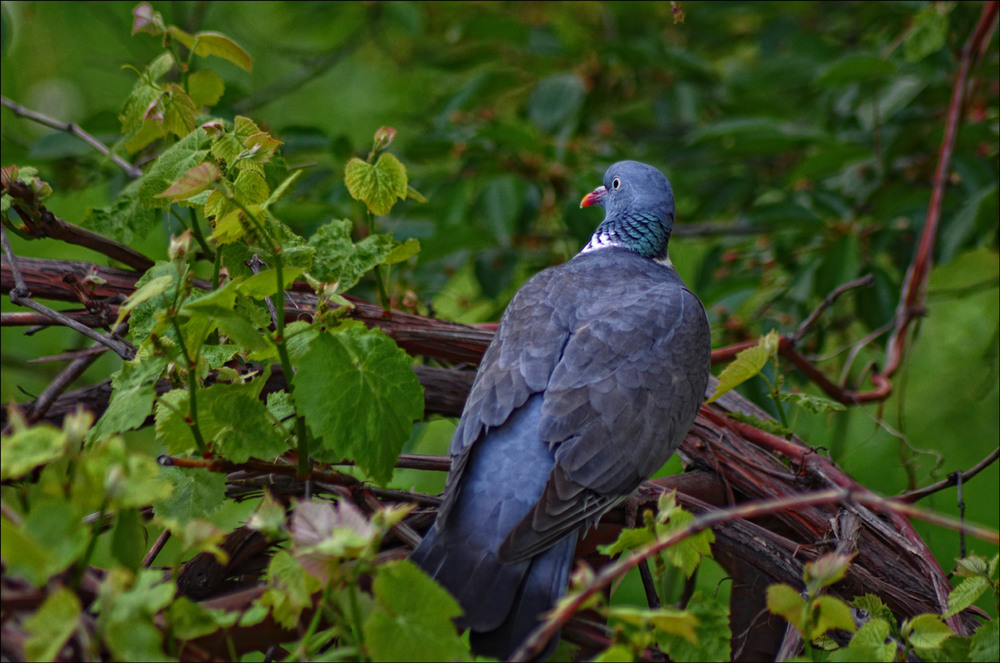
point(593, 379)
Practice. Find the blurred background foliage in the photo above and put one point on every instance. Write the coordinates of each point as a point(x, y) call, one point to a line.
point(800, 138)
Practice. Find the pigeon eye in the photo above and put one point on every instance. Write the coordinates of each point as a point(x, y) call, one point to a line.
point(616, 183)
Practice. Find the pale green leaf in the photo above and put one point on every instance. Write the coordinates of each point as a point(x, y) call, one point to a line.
point(193, 182)
point(377, 186)
point(831, 613)
point(411, 619)
point(747, 364)
point(926, 631)
point(205, 88)
point(785, 601)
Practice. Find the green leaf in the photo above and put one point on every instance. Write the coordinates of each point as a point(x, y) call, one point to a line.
point(712, 631)
point(410, 608)
point(358, 394)
point(402, 251)
point(377, 186)
point(967, 593)
point(668, 620)
point(234, 418)
point(193, 182)
point(817, 404)
point(134, 390)
point(187, 153)
point(265, 284)
point(197, 493)
point(29, 448)
point(127, 220)
point(205, 88)
point(338, 259)
point(628, 539)
point(785, 601)
point(51, 625)
point(290, 589)
point(280, 190)
point(869, 645)
point(984, 646)
point(144, 293)
point(926, 631)
point(830, 613)
point(748, 363)
point(221, 46)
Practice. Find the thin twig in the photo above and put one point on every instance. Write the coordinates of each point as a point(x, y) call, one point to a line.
point(74, 130)
point(912, 496)
point(21, 296)
point(865, 281)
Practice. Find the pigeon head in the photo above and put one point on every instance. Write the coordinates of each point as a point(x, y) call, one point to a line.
point(638, 210)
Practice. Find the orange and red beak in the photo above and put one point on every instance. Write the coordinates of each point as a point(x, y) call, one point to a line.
point(595, 197)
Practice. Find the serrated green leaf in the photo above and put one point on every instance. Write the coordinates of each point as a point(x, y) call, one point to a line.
point(235, 420)
point(290, 589)
point(131, 398)
point(973, 565)
point(144, 293)
point(51, 625)
point(817, 404)
point(251, 188)
point(197, 493)
point(985, 645)
point(868, 644)
point(785, 601)
point(411, 608)
point(127, 220)
point(179, 112)
point(748, 363)
point(926, 631)
point(358, 394)
point(205, 88)
point(377, 186)
point(338, 260)
point(967, 592)
point(712, 631)
point(187, 153)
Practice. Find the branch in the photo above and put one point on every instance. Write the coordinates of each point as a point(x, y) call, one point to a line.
point(40, 222)
point(911, 304)
point(74, 130)
point(21, 295)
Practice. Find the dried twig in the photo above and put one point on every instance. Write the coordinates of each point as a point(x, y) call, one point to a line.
point(21, 295)
point(74, 130)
